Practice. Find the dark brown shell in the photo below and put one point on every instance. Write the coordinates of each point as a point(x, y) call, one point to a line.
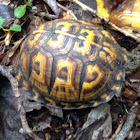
point(71, 64)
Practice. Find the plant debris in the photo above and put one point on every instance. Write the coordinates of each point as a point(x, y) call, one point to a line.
point(22, 118)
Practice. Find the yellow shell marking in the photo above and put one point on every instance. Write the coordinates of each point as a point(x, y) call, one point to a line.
point(106, 44)
point(88, 43)
point(119, 75)
point(105, 96)
point(67, 26)
point(36, 96)
point(39, 31)
point(24, 60)
point(39, 77)
point(94, 102)
point(56, 44)
point(18, 77)
point(125, 57)
point(103, 56)
point(64, 81)
point(106, 34)
point(84, 50)
point(26, 85)
point(89, 71)
point(42, 26)
point(41, 71)
point(32, 43)
point(112, 54)
point(116, 87)
point(52, 102)
point(86, 23)
point(93, 80)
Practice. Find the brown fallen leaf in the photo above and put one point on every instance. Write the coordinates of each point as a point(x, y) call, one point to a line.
point(11, 53)
point(130, 94)
point(98, 124)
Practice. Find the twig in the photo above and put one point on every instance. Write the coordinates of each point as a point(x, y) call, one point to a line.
point(26, 130)
point(128, 123)
point(67, 10)
point(86, 8)
point(117, 130)
point(14, 83)
point(124, 32)
point(135, 61)
point(12, 80)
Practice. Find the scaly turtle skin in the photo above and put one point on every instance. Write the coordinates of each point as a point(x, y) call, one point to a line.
point(71, 64)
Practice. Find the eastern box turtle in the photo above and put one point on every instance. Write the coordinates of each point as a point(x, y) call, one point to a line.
point(71, 64)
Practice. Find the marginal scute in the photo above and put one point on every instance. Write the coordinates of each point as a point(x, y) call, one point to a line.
point(36, 94)
point(43, 26)
point(71, 64)
point(115, 87)
point(24, 63)
point(50, 101)
point(105, 96)
point(126, 58)
point(106, 44)
point(41, 74)
point(106, 34)
point(18, 74)
point(103, 56)
point(110, 56)
point(95, 103)
point(33, 41)
point(119, 75)
point(25, 85)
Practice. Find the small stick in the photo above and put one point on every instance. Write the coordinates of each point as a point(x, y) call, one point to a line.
point(128, 123)
point(86, 8)
point(117, 130)
point(14, 83)
point(67, 10)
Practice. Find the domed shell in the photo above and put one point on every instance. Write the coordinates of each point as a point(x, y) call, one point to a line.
point(71, 64)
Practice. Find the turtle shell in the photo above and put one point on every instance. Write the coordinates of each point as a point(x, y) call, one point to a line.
point(71, 64)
